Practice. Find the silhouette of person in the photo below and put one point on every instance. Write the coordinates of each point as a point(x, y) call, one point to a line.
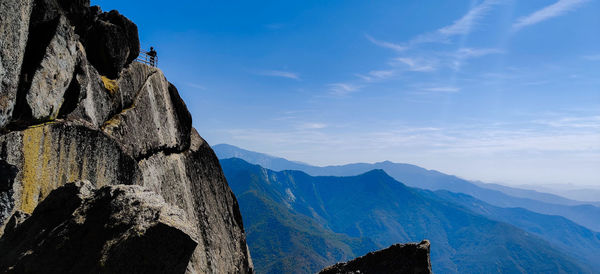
point(152, 54)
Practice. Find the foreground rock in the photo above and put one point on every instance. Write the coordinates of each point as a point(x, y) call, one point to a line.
point(115, 229)
point(399, 258)
point(73, 106)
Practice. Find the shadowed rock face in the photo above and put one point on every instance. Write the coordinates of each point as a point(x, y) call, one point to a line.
point(73, 106)
point(116, 229)
point(399, 258)
point(114, 41)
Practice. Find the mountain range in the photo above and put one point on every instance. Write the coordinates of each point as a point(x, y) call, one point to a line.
point(582, 213)
point(324, 219)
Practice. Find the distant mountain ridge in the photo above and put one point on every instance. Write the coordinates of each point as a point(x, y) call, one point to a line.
point(541, 196)
point(374, 206)
point(573, 239)
point(414, 176)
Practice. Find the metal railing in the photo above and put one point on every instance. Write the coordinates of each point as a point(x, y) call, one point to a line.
point(146, 58)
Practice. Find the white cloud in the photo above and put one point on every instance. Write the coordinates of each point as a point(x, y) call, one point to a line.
point(377, 75)
point(280, 73)
point(442, 89)
point(385, 44)
point(312, 126)
point(583, 122)
point(417, 64)
point(465, 24)
point(462, 26)
point(559, 8)
point(465, 53)
point(343, 88)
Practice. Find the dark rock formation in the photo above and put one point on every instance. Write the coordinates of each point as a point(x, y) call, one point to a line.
point(399, 258)
point(114, 41)
point(73, 106)
point(116, 229)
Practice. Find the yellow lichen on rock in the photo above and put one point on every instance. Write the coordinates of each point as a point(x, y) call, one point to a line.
point(32, 140)
point(110, 85)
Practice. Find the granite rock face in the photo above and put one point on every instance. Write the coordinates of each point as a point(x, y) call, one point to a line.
point(398, 258)
point(53, 75)
point(124, 229)
point(156, 120)
point(14, 30)
point(75, 107)
point(50, 155)
point(177, 179)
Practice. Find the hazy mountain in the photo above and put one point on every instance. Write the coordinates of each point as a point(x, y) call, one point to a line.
point(539, 196)
point(374, 205)
point(581, 193)
point(414, 176)
point(571, 238)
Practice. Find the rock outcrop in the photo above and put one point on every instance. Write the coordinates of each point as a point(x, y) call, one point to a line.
point(399, 258)
point(115, 229)
point(73, 106)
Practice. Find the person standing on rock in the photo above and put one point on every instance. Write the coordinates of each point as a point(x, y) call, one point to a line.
point(152, 54)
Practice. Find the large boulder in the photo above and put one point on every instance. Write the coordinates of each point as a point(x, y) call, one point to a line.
point(399, 258)
point(113, 40)
point(115, 229)
point(14, 30)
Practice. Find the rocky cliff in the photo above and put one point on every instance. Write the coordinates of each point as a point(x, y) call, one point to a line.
point(398, 258)
point(74, 106)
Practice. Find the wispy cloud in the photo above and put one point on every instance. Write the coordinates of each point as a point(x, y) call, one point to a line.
point(416, 64)
point(385, 44)
point(462, 26)
point(196, 86)
point(462, 54)
point(465, 24)
point(595, 57)
point(442, 89)
point(279, 73)
point(343, 88)
point(309, 126)
point(376, 75)
point(559, 8)
point(583, 122)
point(530, 150)
point(474, 52)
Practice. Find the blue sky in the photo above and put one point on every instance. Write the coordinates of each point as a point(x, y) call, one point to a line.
point(495, 90)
